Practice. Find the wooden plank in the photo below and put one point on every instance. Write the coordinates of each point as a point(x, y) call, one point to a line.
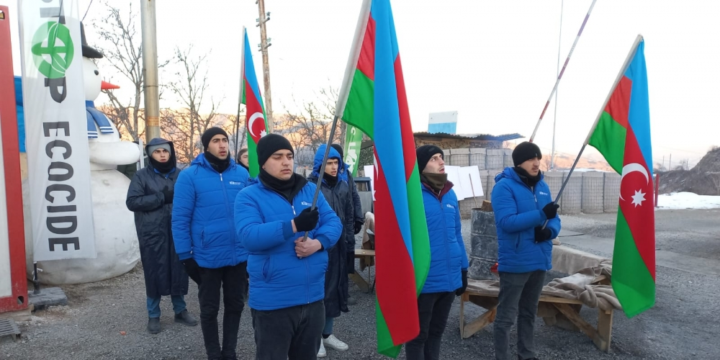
point(483, 301)
point(360, 281)
point(360, 253)
point(463, 300)
point(548, 299)
point(584, 326)
point(605, 320)
point(476, 325)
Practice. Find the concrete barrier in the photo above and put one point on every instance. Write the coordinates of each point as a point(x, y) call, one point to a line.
point(593, 189)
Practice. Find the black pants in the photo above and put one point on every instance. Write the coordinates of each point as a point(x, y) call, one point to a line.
point(292, 333)
point(433, 310)
point(519, 296)
point(233, 280)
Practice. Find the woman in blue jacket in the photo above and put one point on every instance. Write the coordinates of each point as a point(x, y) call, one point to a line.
point(287, 274)
point(522, 204)
point(447, 277)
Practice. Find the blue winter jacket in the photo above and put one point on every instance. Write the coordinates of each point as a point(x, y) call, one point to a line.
point(447, 249)
point(203, 225)
point(518, 210)
point(278, 278)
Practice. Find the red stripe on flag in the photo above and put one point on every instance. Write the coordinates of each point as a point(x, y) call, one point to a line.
point(408, 139)
point(257, 126)
point(636, 203)
point(619, 104)
point(366, 62)
point(395, 275)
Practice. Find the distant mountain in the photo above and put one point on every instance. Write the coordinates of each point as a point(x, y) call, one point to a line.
point(564, 161)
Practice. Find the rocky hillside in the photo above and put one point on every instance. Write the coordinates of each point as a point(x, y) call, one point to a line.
point(703, 179)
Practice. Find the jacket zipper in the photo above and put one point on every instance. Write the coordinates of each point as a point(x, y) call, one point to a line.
point(307, 267)
point(447, 245)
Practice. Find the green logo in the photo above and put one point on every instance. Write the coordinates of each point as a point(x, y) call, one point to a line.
point(52, 49)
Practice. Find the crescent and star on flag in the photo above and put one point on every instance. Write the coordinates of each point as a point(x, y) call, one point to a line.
point(639, 196)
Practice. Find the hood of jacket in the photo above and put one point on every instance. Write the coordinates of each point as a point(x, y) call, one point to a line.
point(318, 161)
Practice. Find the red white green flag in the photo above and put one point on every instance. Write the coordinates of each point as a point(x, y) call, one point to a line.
point(373, 99)
point(622, 135)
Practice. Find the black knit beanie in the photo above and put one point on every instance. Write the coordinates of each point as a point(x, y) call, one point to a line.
point(424, 153)
point(524, 152)
point(269, 144)
point(209, 134)
point(339, 149)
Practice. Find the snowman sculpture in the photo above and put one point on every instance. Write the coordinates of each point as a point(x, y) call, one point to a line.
point(116, 241)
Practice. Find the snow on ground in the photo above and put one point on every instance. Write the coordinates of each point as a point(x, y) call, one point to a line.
point(688, 200)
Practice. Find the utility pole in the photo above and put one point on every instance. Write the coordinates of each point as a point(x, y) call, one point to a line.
point(264, 45)
point(150, 70)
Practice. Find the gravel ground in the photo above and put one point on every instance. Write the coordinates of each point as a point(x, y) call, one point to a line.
point(682, 325)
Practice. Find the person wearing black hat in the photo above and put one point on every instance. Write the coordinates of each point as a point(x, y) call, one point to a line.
point(204, 234)
point(358, 218)
point(287, 274)
point(150, 197)
point(447, 277)
point(523, 206)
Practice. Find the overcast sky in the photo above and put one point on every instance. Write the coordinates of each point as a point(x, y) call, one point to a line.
point(492, 61)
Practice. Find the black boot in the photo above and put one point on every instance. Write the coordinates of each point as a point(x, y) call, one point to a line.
point(153, 326)
point(185, 318)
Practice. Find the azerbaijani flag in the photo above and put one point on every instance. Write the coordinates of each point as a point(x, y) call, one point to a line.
point(622, 135)
point(373, 99)
point(255, 123)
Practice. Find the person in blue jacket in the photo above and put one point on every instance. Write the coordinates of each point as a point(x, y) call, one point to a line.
point(447, 277)
point(203, 228)
point(337, 193)
point(287, 274)
point(522, 204)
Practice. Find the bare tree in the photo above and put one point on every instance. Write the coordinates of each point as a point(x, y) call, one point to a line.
point(310, 127)
point(186, 125)
point(122, 47)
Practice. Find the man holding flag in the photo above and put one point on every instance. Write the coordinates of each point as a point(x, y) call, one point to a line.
point(526, 220)
point(287, 272)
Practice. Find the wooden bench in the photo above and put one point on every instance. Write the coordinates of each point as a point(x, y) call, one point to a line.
point(554, 311)
point(358, 279)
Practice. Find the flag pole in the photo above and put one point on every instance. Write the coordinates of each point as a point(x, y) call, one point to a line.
point(242, 89)
point(344, 91)
point(318, 184)
point(620, 75)
point(567, 60)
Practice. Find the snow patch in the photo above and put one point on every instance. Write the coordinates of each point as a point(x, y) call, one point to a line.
point(688, 200)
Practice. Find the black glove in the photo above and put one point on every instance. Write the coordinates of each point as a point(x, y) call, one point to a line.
point(168, 194)
point(542, 234)
point(358, 226)
point(550, 210)
point(306, 220)
point(192, 269)
point(462, 289)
